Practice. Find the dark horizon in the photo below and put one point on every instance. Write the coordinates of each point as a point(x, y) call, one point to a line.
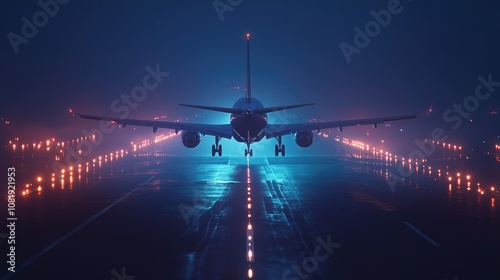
point(88, 55)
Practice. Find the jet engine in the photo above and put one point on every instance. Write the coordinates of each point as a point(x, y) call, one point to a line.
point(190, 139)
point(304, 138)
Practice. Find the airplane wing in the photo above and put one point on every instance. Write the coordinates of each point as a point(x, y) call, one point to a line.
point(275, 130)
point(221, 130)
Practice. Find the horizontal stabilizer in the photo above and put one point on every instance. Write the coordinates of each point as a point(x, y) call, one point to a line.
point(218, 109)
point(280, 108)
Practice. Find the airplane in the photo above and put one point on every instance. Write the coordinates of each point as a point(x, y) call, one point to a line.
point(248, 123)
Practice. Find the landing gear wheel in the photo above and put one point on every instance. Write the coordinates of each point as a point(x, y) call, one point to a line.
point(217, 149)
point(279, 148)
point(248, 152)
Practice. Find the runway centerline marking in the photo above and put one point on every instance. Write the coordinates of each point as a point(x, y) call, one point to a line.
point(75, 230)
point(421, 234)
point(250, 233)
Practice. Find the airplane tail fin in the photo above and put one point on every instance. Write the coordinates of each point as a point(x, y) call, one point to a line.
point(248, 90)
point(248, 94)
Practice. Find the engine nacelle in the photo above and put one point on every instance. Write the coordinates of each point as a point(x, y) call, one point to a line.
point(304, 138)
point(190, 139)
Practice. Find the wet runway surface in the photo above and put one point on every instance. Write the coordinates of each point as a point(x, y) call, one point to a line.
point(156, 216)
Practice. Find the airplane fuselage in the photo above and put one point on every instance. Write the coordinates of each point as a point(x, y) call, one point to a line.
point(248, 127)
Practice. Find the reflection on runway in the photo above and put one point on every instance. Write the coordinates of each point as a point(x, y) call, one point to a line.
point(85, 172)
point(190, 217)
point(441, 166)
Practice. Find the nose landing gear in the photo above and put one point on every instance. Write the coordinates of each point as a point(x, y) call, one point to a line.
point(248, 151)
point(217, 149)
point(279, 148)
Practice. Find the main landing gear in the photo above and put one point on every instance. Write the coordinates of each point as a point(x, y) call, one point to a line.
point(217, 149)
point(279, 147)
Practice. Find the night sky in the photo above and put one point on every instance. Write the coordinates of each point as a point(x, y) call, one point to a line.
point(91, 52)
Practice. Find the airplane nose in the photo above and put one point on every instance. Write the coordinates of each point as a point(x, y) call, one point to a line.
point(248, 112)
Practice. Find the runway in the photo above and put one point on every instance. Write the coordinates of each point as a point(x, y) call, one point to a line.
point(157, 216)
